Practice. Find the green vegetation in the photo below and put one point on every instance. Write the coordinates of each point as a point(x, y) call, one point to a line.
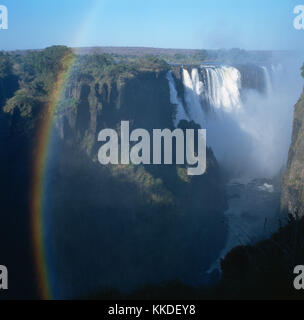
point(102, 66)
point(24, 102)
point(152, 188)
point(5, 65)
point(36, 72)
point(39, 69)
point(91, 65)
point(150, 62)
point(235, 55)
point(302, 71)
point(199, 56)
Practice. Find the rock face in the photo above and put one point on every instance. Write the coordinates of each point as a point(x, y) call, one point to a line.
point(142, 224)
point(15, 237)
point(292, 200)
point(97, 104)
point(113, 226)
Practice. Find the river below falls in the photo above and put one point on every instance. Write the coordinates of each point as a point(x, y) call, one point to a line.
point(252, 216)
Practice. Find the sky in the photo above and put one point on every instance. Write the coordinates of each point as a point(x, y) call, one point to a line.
point(189, 24)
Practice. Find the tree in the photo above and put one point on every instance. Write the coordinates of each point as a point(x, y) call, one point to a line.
point(201, 55)
point(5, 65)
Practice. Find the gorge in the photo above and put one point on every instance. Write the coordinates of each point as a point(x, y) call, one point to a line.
point(133, 226)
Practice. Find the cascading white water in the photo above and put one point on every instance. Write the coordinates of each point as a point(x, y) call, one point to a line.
point(180, 111)
point(222, 91)
point(250, 137)
point(267, 81)
point(214, 102)
point(223, 88)
point(193, 89)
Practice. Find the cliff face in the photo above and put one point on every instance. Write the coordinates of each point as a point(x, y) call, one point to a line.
point(143, 99)
point(292, 200)
point(153, 222)
point(15, 164)
point(115, 226)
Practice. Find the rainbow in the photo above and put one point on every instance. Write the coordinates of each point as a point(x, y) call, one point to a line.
point(38, 185)
point(41, 155)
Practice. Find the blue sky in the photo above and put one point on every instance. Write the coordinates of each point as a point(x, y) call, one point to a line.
point(248, 24)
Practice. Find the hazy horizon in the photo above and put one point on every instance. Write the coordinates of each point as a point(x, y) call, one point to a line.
point(158, 48)
point(250, 25)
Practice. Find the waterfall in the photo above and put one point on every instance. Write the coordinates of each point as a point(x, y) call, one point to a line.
point(244, 125)
point(218, 86)
point(193, 88)
point(249, 132)
point(268, 84)
point(223, 87)
point(180, 111)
